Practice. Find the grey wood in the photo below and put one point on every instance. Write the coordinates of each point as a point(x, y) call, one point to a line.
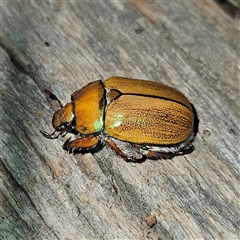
point(63, 45)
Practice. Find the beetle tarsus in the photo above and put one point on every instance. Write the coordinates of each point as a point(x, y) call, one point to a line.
point(140, 160)
point(49, 135)
point(159, 155)
point(188, 150)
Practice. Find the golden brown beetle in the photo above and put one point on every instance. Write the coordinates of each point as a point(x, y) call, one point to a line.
point(138, 119)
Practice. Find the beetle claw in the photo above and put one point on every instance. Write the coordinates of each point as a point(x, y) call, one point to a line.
point(136, 160)
point(188, 150)
point(66, 146)
point(49, 135)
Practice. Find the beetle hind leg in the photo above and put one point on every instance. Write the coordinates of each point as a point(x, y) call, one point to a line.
point(188, 150)
point(138, 153)
point(154, 155)
point(165, 153)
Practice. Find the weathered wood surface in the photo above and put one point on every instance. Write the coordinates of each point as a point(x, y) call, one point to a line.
point(63, 45)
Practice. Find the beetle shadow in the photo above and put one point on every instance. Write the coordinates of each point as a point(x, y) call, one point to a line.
point(196, 120)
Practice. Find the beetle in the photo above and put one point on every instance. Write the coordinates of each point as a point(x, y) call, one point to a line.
point(138, 119)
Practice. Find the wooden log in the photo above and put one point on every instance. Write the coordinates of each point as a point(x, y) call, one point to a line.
point(46, 193)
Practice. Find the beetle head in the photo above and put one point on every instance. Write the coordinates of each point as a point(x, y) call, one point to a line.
point(62, 118)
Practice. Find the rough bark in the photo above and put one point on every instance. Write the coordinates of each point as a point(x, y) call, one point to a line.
point(63, 45)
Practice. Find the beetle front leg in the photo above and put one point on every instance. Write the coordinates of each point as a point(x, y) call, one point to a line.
point(83, 145)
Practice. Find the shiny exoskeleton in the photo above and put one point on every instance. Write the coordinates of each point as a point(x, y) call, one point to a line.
point(138, 119)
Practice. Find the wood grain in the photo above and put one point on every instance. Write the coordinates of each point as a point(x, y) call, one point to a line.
point(63, 45)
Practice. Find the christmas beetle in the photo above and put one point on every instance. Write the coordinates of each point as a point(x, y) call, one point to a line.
point(138, 119)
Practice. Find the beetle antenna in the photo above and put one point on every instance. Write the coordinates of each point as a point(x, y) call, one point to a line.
point(49, 135)
point(53, 97)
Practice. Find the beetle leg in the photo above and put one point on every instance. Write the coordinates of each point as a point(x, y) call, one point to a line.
point(154, 154)
point(83, 145)
point(188, 150)
point(49, 135)
point(150, 154)
point(114, 147)
point(126, 150)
